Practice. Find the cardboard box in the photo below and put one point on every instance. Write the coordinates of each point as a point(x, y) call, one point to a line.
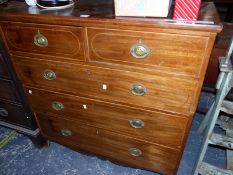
point(150, 8)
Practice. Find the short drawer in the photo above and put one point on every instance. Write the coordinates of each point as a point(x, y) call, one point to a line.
point(3, 68)
point(158, 91)
point(45, 40)
point(108, 144)
point(155, 127)
point(8, 91)
point(174, 53)
point(14, 114)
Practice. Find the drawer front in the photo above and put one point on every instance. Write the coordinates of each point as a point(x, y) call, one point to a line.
point(152, 126)
point(114, 146)
point(13, 114)
point(162, 92)
point(3, 68)
point(175, 53)
point(8, 91)
point(44, 39)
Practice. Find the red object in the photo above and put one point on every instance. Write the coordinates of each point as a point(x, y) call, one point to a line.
point(186, 9)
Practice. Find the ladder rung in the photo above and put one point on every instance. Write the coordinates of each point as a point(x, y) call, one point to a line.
point(229, 152)
point(227, 106)
point(221, 140)
point(225, 122)
point(231, 83)
point(207, 169)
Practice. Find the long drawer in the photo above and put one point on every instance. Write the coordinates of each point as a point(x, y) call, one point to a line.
point(104, 143)
point(175, 53)
point(158, 91)
point(155, 127)
point(44, 40)
point(13, 113)
point(8, 91)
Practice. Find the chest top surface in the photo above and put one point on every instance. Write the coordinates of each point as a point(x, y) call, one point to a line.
point(102, 12)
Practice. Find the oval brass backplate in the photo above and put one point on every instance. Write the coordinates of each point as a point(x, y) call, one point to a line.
point(49, 74)
point(136, 123)
point(139, 51)
point(40, 40)
point(135, 152)
point(66, 132)
point(58, 106)
point(138, 89)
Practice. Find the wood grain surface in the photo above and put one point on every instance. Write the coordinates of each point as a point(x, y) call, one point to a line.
point(168, 93)
point(175, 53)
point(110, 144)
point(161, 128)
point(63, 41)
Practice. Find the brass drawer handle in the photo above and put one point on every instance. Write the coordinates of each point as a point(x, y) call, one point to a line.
point(3, 112)
point(139, 51)
point(138, 89)
point(40, 40)
point(58, 106)
point(136, 123)
point(135, 152)
point(49, 74)
point(66, 132)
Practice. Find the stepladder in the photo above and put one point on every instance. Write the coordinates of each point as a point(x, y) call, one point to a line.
point(221, 114)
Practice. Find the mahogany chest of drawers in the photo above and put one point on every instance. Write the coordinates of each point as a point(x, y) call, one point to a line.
point(121, 88)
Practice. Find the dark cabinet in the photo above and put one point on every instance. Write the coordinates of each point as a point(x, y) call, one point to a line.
point(14, 114)
point(8, 91)
point(14, 110)
point(3, 70)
